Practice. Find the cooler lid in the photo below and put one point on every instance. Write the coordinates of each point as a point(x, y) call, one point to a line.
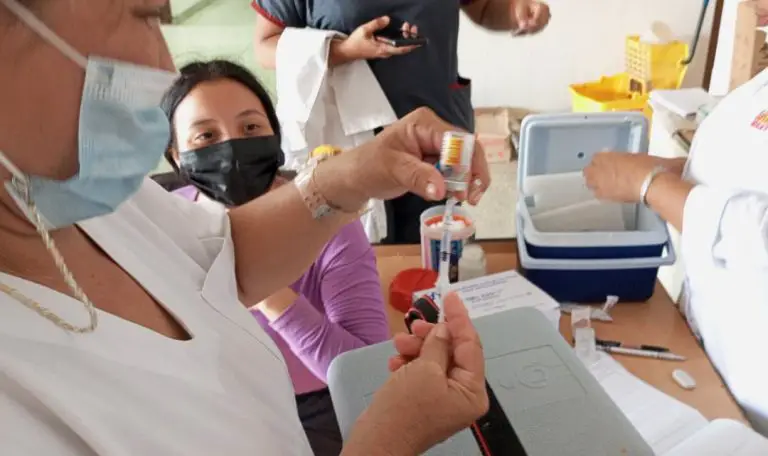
point(565, 143)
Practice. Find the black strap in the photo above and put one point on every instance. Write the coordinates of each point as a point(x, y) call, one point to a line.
point(423, 309)
point(493, 432)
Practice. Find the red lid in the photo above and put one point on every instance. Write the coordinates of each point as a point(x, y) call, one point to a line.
point(406, 283)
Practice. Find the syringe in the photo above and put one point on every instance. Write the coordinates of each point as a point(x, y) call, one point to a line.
point(443, 282)
point(455, 165)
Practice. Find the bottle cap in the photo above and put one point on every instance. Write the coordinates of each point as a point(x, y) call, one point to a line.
point(408, 282)
point(473, 252)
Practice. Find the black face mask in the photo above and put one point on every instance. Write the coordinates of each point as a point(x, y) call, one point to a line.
point(236, 171)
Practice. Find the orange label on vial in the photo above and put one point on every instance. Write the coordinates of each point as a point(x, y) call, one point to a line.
point(455, 159)
point(453, 152)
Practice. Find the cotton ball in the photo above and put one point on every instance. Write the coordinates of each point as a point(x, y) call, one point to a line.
point(456, 225)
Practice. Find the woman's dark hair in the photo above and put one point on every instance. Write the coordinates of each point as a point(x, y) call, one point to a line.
point(196, 73)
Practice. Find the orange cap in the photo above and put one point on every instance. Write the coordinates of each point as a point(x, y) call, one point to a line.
point(325, 150)
point(408, 282)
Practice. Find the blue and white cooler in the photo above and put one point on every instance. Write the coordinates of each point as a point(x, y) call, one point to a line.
point(571, 245)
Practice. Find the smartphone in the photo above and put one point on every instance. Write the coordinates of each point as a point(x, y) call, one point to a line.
point(401, 41)
point(393, 36)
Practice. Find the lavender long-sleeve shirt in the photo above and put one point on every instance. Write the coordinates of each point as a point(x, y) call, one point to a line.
point(339, 308)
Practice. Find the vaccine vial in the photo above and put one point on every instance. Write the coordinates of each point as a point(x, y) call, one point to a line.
point(456, 159)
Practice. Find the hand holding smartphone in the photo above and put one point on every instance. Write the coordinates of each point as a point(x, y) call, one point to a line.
point(378, 39)
point(403, 36)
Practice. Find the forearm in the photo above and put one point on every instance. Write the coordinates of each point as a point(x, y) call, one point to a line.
point(313, 337)
point(494, 15)
point(339, 53)
point(265, 37)
point(667, 195)
point(265, 50)
point(350, 314)
point(372, 438)
point(276, 238)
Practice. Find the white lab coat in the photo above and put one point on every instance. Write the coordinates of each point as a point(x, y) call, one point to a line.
point(125, 390)
point(725, 244)
point(317, 105)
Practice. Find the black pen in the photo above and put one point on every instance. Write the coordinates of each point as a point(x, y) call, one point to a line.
point(615, 343)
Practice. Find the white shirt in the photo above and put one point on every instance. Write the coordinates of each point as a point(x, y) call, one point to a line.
point(725, 243)
point(319, 104)
point(125, 390)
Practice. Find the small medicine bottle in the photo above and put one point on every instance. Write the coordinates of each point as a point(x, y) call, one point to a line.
point(472, 262)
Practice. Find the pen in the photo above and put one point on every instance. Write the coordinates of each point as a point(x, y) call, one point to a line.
point(644, 353)
point(615, 343)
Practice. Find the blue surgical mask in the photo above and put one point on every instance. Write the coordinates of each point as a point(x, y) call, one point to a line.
point(122, 136)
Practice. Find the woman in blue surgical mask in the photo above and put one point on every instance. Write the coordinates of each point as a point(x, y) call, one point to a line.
point(121, 323)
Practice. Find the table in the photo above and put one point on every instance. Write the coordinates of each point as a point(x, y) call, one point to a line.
point(656, 322)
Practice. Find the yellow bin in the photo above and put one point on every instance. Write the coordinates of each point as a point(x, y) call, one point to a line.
point(610, 93)
point(654, 66)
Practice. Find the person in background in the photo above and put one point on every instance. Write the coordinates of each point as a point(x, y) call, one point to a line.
point(718, 199)
point(226, 141)
point(122, 323)
point(411, 77)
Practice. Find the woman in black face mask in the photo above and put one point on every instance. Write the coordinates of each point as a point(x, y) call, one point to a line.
point(226, 144)
point(226, 133)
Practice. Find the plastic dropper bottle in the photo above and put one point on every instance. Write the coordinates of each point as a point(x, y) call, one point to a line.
point(472, 262)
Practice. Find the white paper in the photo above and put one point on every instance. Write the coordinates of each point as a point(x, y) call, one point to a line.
point(595, 313)
point(499, 292)
point(723, 438)
point(593, 215)
point(585, 345)
point(555, 182)
point(553, 191)
point(682, 102)
point(581, 317)
point(671, 427)
point(663, 421)
point(600, 314)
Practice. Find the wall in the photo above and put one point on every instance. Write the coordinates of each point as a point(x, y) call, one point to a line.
point(204, 42)
point(224, 29)
point(181, 7)
point(585, 39)
point(721, 72)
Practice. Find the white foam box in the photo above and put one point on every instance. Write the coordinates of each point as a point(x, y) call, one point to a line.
point(499, 292)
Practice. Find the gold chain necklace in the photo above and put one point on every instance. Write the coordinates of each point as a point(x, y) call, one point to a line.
point(21, 189)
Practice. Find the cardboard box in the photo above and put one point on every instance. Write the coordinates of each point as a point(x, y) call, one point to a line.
point(750, 52)
point(495, 129)
point(498, 148)
point(492, 126)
